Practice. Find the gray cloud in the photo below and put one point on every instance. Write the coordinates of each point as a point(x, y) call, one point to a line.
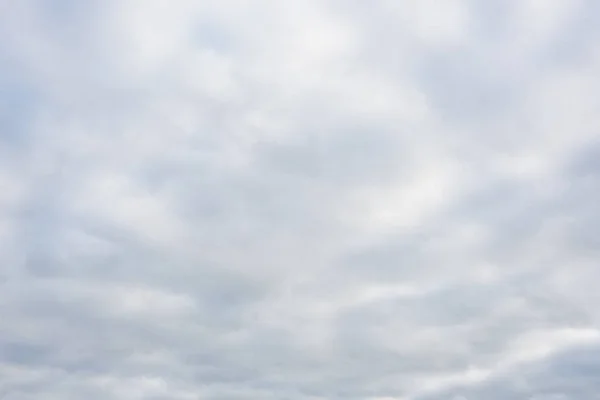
point(225, 200)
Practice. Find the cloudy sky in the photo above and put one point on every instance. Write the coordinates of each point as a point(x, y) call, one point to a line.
point(299, 199)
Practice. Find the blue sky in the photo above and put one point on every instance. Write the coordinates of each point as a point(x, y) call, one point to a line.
point(303, 200)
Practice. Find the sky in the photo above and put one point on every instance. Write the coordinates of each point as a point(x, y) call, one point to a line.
point(299, 199)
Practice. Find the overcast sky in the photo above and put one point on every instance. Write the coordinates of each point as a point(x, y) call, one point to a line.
point(299, 199)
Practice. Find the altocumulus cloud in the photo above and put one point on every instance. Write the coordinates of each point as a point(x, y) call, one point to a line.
point(299, 199)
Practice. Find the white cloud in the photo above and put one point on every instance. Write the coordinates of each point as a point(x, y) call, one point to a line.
point(434, 23)
point(540, 20)
point(315, 200)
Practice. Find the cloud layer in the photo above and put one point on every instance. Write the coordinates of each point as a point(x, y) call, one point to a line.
point(299, 200)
